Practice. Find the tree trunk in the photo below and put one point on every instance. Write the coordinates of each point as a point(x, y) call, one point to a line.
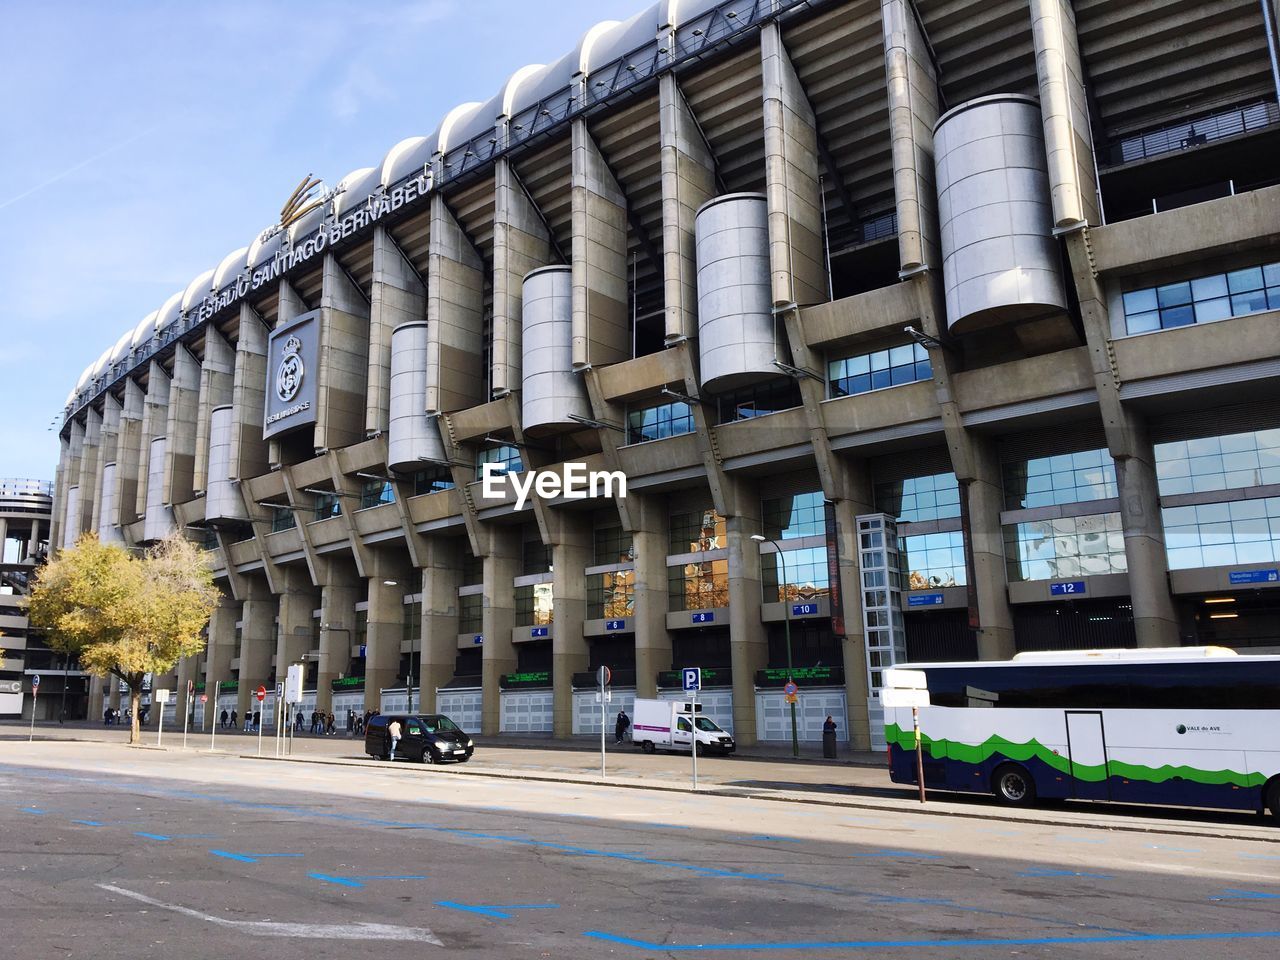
point(135, 700)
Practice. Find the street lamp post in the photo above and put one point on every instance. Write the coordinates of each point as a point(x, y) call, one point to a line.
point(786, 620)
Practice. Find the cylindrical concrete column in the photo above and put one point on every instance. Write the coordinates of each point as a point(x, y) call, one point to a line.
point(157, 522)
point(735, 313)
point(1000, 263)
point(71, 523)
point(412, 436)
point(108, 532)
point(222, 500)
point(551, 391)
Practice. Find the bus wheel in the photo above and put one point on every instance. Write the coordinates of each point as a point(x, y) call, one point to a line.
point(647, 746)
point(1013, 785)
point(1271, 795)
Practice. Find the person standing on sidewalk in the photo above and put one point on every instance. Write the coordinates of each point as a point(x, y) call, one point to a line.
point(620, 726)
point(393, 731)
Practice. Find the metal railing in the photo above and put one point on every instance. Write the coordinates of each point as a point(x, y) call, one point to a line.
point(728, 22)
point(1192, 133)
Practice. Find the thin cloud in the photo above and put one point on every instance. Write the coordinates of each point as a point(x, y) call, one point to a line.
point(79, 166)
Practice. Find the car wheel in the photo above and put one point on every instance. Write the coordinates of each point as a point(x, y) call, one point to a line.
point(648, 747)
point(1013, 785)
point(429, 756)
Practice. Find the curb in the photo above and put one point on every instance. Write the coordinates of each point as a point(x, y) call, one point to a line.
point(987, 813)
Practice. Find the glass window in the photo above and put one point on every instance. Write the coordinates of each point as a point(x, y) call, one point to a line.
point(1071, 478)
point(759, 400)
point(376, 492)
point(697, 532)
point(328, 505)
point(806, 575)
point(611, 596)
point(534, 605)
point(1228, 462)
point(506, 457)
point(1203, 299)
point(874, 371)
point(1222, 534)
point(795, 515)
point(1066, 547)
point(697, 586)
point(472, 569)
point(920, 498)
point(934, 560)
point(431, 481)
point(659, 422)
point(613, 545)
point(471, 613)
point(413, 621)
point(535, 557)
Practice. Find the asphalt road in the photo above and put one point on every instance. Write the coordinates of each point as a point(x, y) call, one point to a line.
point(114, 851)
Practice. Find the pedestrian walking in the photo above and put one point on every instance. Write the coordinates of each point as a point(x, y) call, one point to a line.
point(620, 726)
point(235, 723)
point(315, 720)
point(222, 720)
point(257, 720)
point(298, 723)
point(393, 731)
point(330, 728)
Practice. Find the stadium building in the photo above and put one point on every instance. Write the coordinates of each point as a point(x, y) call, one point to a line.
point(919, 330)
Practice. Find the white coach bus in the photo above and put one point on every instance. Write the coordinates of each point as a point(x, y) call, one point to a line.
point(1195, 726)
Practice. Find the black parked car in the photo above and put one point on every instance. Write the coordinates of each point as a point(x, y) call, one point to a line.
point(431, 738)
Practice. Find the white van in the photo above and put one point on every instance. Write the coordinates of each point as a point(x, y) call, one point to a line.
point(669, 724)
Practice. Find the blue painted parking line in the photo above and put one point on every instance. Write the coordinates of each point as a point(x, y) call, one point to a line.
point(495, 911)
point(151, 836)
point(770, 838)
point(36, 810)
point(944, 944)
point(1245, 895)
point(915, 854)
point(357, 883)
point(250, 857)
point(1259, 856)
point(89, 823)
point(1157, 846)
point(1045, 872)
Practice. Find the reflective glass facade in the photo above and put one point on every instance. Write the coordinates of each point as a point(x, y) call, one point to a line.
point(795, 515)
point(1222, 534)
point(806, 571)
point(759, 400)
point(697, 532)
point(533, 605)
point(1204, 299)
point(659, 422)
point(611, 595)
point(934, 560)
point(376, 492)
point(507, 457)
point(696, 586)
point(1067, 547)
point(1068, 478)
point(920, 498)
point(875, 371)
point(1219, 463)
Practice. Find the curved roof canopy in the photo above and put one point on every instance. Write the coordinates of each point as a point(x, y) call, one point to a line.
point(121, 347)
point(262, 250)
point(197, 289)
point(408, 156)
point(143, 331)
point(456, 119)
point(229, 268)
point(168, 314)
point(355, 188)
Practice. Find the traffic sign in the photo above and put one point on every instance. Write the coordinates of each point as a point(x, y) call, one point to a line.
point(260, 693)
point(204, 698)
point(35, 682)
point(692, 677)
point(790, 698)
point(603, 676)
point(790, 689)
point(160, 696)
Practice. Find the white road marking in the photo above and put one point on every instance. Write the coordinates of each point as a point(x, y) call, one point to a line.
point(311, 931)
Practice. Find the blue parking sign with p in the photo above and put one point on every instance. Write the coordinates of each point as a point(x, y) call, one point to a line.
point(692, 678)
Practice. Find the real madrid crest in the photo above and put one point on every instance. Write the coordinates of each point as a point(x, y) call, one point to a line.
point(291, 371)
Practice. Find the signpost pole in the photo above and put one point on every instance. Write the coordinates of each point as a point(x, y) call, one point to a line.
point(160, 727)
point(693, 738)
point(604, 717)
point(915, 722)
point(213, 720)
point(186, 716)
point(35, 696)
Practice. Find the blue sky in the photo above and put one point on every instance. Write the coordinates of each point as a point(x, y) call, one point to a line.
point(144, 141)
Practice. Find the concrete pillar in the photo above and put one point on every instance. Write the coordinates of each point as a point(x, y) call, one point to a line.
point(344, 359)
point(599, 259)
point(60, 486)
point(248, 397)
point(109, 437)
point(155, 407)
point(1155, 618)
point(387, 585)
point(90, 472)
point(295, 625)
point(748, 639)
point(441, 578)
point(97, 698)
point(501, 567)
point(338, 598)
point(217, 375)
point(184, 671)
point(70, 517)
point(258, 637)
point(220, 652)
point(982, 500)
point(796, 256)
point(688, 181)
point(854, 645)
point(398, 296)
point(653, 640)
point(1068, 139)
point(180, 429)
point(455, 315)
point(912, 89)
point(520, 244)
point(129, 452)
point(571, 553)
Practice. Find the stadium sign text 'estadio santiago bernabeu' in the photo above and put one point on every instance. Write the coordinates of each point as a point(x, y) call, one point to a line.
point(327, 235)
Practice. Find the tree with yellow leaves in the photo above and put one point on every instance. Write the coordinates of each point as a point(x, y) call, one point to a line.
point(124, 615)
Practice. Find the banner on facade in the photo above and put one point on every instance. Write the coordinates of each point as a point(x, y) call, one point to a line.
point(292, 376)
